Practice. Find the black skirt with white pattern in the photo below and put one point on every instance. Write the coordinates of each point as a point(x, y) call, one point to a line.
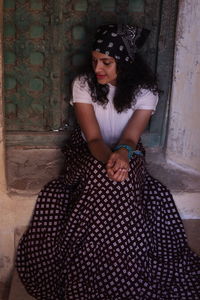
point(91, 238)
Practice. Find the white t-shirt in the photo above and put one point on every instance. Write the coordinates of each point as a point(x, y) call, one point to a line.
point(111, 122)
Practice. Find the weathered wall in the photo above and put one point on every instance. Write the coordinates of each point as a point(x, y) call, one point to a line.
point(183, 145)
point(29, 169)
point(6, 207)
point(26, 177)
point(2, 140)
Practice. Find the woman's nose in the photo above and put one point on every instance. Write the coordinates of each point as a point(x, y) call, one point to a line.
point(97, 67)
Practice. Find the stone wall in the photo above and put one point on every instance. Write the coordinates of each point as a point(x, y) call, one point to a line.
point(28, 169)
point(5, 205)
point(183, 145)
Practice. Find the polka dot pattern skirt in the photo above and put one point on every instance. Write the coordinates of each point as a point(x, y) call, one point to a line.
point(91, 238)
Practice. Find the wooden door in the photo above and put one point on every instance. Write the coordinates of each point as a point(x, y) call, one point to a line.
point(45, 41)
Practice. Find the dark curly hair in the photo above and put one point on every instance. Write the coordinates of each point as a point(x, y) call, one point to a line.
point(131, 78)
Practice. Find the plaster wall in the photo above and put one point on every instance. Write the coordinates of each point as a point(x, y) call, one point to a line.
point(183, 145)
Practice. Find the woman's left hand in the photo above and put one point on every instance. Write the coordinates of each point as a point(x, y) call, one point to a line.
point(118, 165)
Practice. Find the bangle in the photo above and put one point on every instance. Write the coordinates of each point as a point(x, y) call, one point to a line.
point(131, 151)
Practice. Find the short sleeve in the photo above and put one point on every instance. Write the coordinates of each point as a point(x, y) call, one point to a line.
point(146, 100)
point(80, 92)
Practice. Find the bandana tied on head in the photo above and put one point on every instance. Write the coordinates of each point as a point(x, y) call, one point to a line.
point(119, 41)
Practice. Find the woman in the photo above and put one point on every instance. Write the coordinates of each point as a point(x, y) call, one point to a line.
point(106, 229)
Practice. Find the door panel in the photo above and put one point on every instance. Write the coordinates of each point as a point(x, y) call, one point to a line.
point(28, 65)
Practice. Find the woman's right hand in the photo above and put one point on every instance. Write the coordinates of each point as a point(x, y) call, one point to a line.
point(118, 165)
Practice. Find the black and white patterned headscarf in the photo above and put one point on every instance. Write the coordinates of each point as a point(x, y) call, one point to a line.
point(119, 41)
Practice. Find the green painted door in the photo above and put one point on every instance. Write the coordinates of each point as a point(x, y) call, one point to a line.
point(45, 41)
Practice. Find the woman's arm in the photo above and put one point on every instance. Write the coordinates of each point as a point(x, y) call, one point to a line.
point(118, 162)
point(87, 120)
point(135, 127)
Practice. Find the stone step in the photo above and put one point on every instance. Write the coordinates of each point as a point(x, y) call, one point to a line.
point(185, 188)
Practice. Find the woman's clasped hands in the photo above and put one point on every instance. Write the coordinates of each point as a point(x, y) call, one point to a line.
point(118, 165)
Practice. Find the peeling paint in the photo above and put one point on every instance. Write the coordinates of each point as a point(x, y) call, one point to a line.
point(5, 261)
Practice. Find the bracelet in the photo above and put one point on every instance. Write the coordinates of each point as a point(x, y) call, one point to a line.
point(131, 151)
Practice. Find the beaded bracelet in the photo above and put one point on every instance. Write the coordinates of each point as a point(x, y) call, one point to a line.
point(131, 151)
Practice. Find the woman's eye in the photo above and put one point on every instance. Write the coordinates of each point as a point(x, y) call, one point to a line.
point(94, 62)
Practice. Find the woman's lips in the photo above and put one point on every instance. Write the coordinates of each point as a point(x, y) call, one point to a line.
point(100, 76)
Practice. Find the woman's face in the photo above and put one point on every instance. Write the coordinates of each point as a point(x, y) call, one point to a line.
point(105, 68)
